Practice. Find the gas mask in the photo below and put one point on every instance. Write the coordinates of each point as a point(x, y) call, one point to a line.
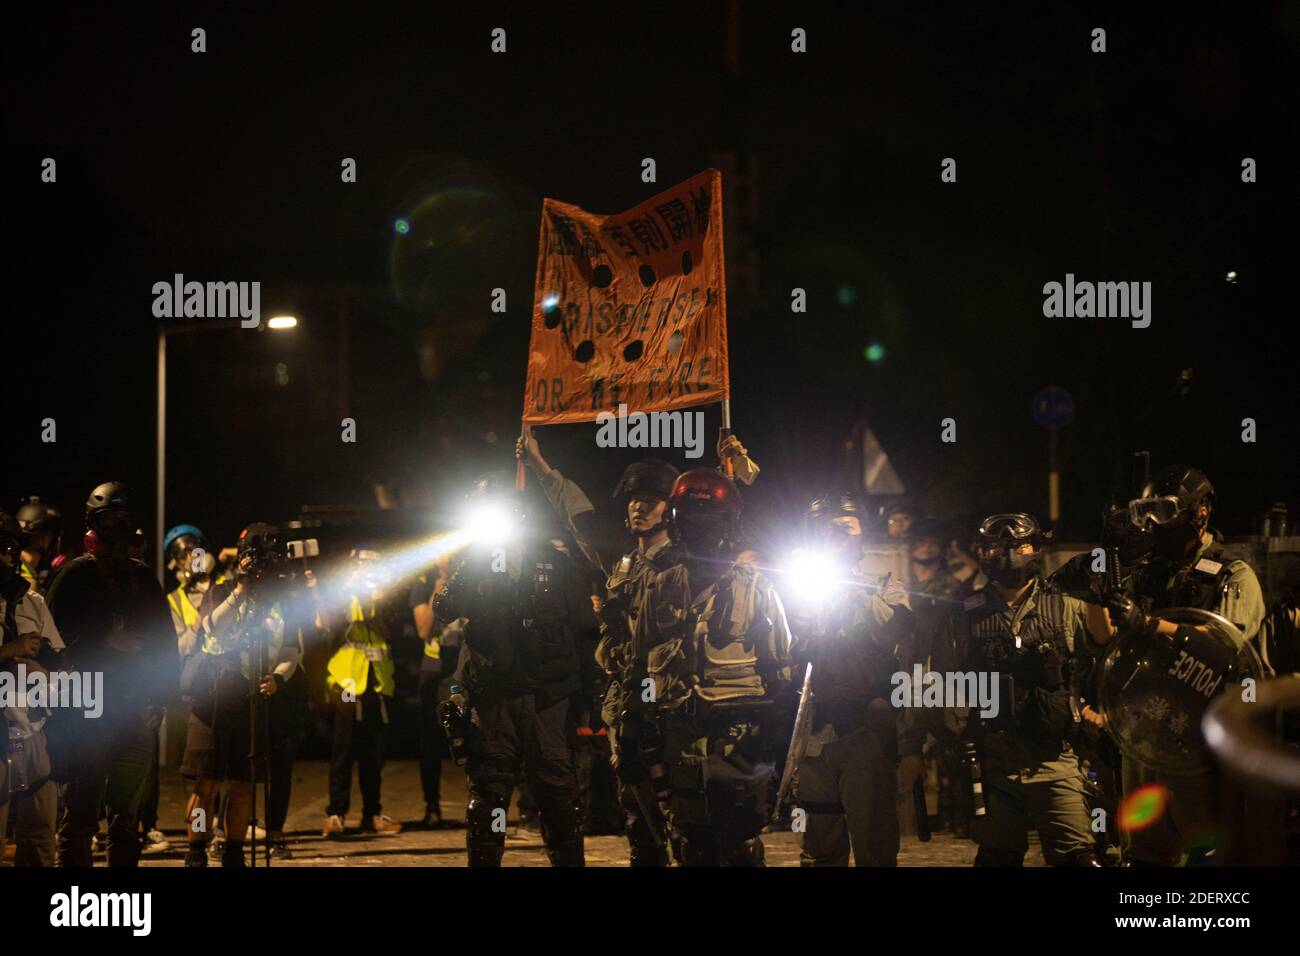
point(1174, 528)
point(1011, 569)
point(194, 566)
point(1000, 546)
point(1177, 539)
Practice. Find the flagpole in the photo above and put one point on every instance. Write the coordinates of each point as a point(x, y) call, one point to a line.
point(723, 434)
point(521, 473)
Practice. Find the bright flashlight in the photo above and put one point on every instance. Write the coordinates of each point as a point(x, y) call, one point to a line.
point(491, 524)
point(814, 576)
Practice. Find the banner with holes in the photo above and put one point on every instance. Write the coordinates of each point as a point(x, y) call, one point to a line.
point(630, 309)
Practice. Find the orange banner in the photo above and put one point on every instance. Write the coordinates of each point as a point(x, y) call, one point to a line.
point(629, 309)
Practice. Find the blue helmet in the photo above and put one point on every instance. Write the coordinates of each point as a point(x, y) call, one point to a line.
point(181, 531)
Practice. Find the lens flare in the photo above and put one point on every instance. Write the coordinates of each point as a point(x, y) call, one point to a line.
point(1143, 807)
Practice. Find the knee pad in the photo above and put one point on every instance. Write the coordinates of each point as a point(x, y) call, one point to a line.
point(485, 820)
point(561, 815)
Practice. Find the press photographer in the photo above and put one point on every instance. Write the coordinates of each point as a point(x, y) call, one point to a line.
point(243, 730)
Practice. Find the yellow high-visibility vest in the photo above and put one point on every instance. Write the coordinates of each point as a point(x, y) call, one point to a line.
point(184, 608)
point(364, 654)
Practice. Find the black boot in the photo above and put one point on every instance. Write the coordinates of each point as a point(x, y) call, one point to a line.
point(233, 854)
point(197, 855)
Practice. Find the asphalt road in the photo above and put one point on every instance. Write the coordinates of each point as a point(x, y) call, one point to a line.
point(446, 846)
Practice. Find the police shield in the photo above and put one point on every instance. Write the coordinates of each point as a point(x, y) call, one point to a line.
point(1155, 688)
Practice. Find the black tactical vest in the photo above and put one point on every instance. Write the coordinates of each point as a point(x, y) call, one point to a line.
point(1032, 658)
point(1202, 585)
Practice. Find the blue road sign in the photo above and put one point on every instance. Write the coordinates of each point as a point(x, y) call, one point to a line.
point(1053, 407)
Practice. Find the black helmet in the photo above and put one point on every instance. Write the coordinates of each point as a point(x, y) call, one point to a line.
point(839, 504)
point(110, 496)
point(650, 476)
point(110, 510)
point(35, 516)
point(1174, 492)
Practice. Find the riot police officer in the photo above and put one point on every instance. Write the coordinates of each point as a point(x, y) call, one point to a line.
point(849, 625)
point(1187, 569)
point(114, 619)
point(718, 655)
point(1028, 640)
point(631, 578)
point(523, 605)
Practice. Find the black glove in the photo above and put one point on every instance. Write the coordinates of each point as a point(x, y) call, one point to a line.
point(1125, 615)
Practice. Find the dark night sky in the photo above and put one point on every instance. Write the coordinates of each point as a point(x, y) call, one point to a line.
point(225, 165)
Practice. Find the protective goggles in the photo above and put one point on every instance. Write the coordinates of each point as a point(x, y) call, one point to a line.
point(1160, 510)
point(1019, 527)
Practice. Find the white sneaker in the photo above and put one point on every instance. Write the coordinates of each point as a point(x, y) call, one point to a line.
point(217, 845)
point(155, 841)
point(248, 834)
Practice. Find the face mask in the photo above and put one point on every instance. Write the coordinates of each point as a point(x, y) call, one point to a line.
point(1011, 571)
point(1175, 540)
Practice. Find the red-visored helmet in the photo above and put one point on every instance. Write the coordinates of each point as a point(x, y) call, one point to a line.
point(705, 506)
point(704, 491)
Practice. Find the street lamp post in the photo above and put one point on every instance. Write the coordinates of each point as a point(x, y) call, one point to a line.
point(278, 323)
